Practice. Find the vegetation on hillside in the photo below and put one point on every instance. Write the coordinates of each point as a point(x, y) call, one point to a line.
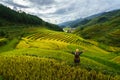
point(104, 29)
point(10, 17)
point(40, 43)
point(35, 68)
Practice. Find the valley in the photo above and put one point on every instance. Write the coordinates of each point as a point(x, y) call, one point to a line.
point(32, 49)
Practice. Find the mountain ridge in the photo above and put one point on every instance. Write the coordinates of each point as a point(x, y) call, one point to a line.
point(80, 21)
point(11, 17)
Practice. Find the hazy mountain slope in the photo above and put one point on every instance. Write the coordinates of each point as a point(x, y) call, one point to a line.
point(78, 22)
point(70, 23)
point(90, 20)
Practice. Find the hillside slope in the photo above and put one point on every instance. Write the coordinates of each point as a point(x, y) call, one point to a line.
point(34, 68)
point(104, 29)
point(43, 47)
point(11, 17)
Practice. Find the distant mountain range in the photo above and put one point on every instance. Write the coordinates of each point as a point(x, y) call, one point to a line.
point(76, 22)
point(70, 23)
point(84, 21)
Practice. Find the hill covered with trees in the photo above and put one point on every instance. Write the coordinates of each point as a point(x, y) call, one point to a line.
point(104, 28)
point(10, 17)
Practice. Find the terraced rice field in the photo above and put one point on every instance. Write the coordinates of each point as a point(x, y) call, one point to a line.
point(52, 48)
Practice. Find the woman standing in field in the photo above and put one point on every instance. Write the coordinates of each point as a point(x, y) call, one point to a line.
point(77, 54)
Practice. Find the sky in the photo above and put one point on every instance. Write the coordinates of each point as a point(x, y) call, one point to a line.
point(58, 11)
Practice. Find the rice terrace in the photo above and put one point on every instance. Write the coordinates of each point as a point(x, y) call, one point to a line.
point(34, 49)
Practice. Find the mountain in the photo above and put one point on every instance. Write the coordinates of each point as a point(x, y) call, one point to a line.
point(104, 28)
point(10, 17)
point(70, 23)
point(93, 16)
point(78, 22)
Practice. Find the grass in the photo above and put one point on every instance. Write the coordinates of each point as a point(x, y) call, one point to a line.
point(40, 43)
point(34, 68)
point(10, 46)
point(116, 59)
point(50, 37)
point(1, 78)
point(106, 62)
point(60, 55)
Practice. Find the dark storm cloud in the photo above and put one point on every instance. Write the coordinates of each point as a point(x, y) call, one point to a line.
point(64, 10)
point(42, 2)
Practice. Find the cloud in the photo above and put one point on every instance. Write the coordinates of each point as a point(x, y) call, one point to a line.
point(13, 4)
point(57, 11)
point(43, 2)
